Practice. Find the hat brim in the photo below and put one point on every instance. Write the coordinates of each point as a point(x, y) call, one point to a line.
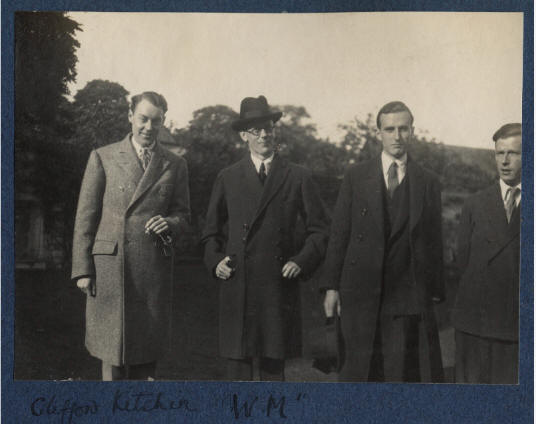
point(245, 123)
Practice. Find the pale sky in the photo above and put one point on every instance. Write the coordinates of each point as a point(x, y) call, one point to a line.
point(460, 73)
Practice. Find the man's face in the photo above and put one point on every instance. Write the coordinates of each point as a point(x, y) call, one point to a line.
point(508, 159)
point(146, 121)
point(260, 138)
point(395, 132)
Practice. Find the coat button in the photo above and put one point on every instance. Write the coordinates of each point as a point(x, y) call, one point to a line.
point(363, 211)
point(353, 262)
point(244, 239)
point(359, 237)
point(246, 227)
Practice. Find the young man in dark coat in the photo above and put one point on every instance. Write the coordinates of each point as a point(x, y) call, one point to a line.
point(133, 203)
point(384, 263)
point(486, 312)
point(250, 245)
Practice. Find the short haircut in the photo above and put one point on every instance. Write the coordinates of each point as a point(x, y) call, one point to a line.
point(507, 130)
point(391, 108)
point(156, 99)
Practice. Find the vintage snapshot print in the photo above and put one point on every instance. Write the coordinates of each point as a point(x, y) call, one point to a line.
point(268, 197)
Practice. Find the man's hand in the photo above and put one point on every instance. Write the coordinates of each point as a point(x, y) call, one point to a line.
point(86, 285)
point(223, 271)
point(332, 301)
point(291, 270)
point(157, 224)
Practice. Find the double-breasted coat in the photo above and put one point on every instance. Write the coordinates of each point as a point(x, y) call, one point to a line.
point(487, 302)
point(256, 224)
point(355, 261)
point(128, 318)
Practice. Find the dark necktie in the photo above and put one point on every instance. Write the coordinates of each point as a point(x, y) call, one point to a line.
point(262, 173)
point(511, 195)
point(146, 155)
point(392, 179)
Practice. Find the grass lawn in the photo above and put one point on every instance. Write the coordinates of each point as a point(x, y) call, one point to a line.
point(49, 330)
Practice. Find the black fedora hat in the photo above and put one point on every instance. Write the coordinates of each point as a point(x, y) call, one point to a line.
point(327, 346)
point(254, 109)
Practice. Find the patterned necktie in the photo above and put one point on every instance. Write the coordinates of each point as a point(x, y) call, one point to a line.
point(146, 158)
point(392, 178)
point(262, 173)
point(510, 204)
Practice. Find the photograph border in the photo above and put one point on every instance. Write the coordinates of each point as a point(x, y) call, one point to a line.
point(225, 402)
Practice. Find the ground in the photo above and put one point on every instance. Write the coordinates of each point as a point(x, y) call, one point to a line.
point(49, 330)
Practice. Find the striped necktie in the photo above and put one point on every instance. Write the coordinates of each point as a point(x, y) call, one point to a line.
point(146, 157)
point(510, 204)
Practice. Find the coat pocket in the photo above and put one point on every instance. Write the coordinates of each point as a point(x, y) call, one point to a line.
point(101, 247)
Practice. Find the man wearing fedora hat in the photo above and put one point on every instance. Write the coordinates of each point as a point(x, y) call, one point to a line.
point(250, 246)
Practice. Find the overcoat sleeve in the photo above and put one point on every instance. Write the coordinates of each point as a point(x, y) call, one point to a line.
point(465, 231)
point(316, 222)
point(88, 215)
point(339, 237)
point(213, 236)
point(435, 242)
point(179, 210)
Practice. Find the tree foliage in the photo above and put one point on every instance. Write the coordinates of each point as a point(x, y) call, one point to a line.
point(45, 62)
point(210, 145)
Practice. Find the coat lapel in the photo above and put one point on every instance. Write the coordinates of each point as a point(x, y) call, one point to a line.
point(416, 192)
point(499, 233)
point(373, 191)
point(276, 177)
point(128, 161)
point(154, 170)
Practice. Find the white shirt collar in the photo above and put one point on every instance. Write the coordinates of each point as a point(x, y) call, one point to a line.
point(258, 161)
point(139, 148)
point(388, 159)
point(504, 189)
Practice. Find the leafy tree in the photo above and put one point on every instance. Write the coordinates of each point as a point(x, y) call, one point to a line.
point(45, 62)
point(210, 145)
point(100, 115)
point(360, 141)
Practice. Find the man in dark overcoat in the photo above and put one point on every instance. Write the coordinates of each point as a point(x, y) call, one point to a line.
point(134, 202)
point(486, 311)
point(250, 245)
point(383, 267)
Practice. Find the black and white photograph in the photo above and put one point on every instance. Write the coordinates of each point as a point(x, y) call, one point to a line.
point(297, 197)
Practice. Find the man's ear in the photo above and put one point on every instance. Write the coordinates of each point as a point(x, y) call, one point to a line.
point(243, 135)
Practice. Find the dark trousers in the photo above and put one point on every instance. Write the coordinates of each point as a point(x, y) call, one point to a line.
point(243, 369)
point(485, 360)
point(139, 372)
point(395, 356)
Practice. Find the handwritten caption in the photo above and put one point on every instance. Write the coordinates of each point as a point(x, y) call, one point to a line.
point(67, 410)
point(237, 406)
